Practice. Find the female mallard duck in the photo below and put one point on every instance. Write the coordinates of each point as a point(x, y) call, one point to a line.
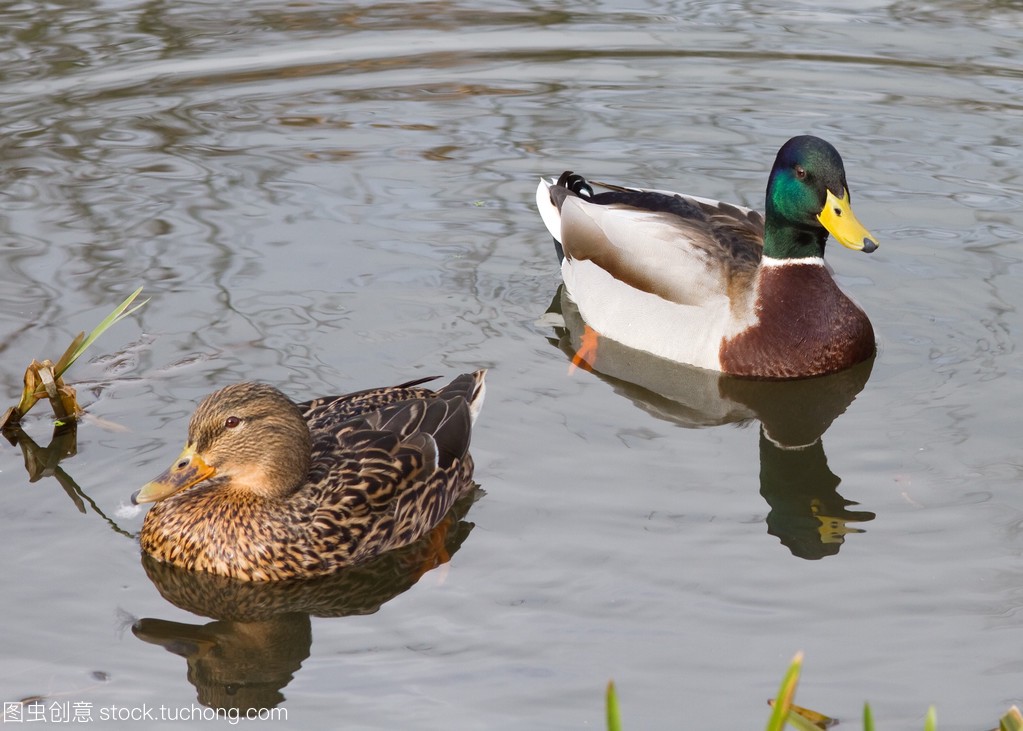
point(266, 489)
point(716, 285)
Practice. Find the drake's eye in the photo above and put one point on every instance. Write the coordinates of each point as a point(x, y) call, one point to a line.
point(232, 421)
point(800, 172)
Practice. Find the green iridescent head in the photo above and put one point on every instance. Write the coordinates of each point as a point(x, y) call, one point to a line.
point(808, 197)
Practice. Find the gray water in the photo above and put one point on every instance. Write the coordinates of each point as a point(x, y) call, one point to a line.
point(334, 196)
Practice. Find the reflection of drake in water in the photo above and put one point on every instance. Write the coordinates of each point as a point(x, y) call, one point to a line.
point(262, 632)
point(807, 513)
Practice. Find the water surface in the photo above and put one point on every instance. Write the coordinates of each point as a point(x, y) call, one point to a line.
point(329, 198)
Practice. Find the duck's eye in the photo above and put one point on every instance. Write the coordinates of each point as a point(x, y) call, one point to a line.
point(232, 421)
point(800, 172)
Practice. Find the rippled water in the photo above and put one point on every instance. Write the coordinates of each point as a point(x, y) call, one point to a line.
point(329, 197)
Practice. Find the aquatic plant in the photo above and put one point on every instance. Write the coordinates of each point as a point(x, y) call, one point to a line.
point(44, 379)
point(614, 721)
point(785, 713)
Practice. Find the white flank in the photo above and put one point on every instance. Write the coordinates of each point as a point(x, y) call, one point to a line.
point(685, 333)
point(644, 321)
point(548, 212)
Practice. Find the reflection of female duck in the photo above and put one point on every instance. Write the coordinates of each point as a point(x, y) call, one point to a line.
point(267, 490)
point(262, 633)
point(714, 285)
point(236, 665)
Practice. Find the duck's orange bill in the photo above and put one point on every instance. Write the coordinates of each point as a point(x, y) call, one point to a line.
point(837, 217)
point(187, 470)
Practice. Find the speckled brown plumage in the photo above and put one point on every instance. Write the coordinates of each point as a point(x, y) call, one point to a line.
point(359, 589)
point(301, 491)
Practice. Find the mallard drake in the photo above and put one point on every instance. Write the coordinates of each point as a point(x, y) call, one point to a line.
point(712, 284)
point(267, 489)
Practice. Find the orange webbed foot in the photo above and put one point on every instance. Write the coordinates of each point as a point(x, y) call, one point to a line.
point(586, 355)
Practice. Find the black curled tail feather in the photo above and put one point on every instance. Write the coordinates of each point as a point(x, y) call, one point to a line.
point(575, 183)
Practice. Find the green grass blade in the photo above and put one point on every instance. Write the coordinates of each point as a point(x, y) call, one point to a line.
point(931, 720)
point(868, 718)
point(614, 721)
point(1011, 721)
point(66, 358)
point(79, 345)
point(786, 692)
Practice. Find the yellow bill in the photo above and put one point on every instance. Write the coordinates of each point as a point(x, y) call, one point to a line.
point(187, 470)
point(837, 217)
